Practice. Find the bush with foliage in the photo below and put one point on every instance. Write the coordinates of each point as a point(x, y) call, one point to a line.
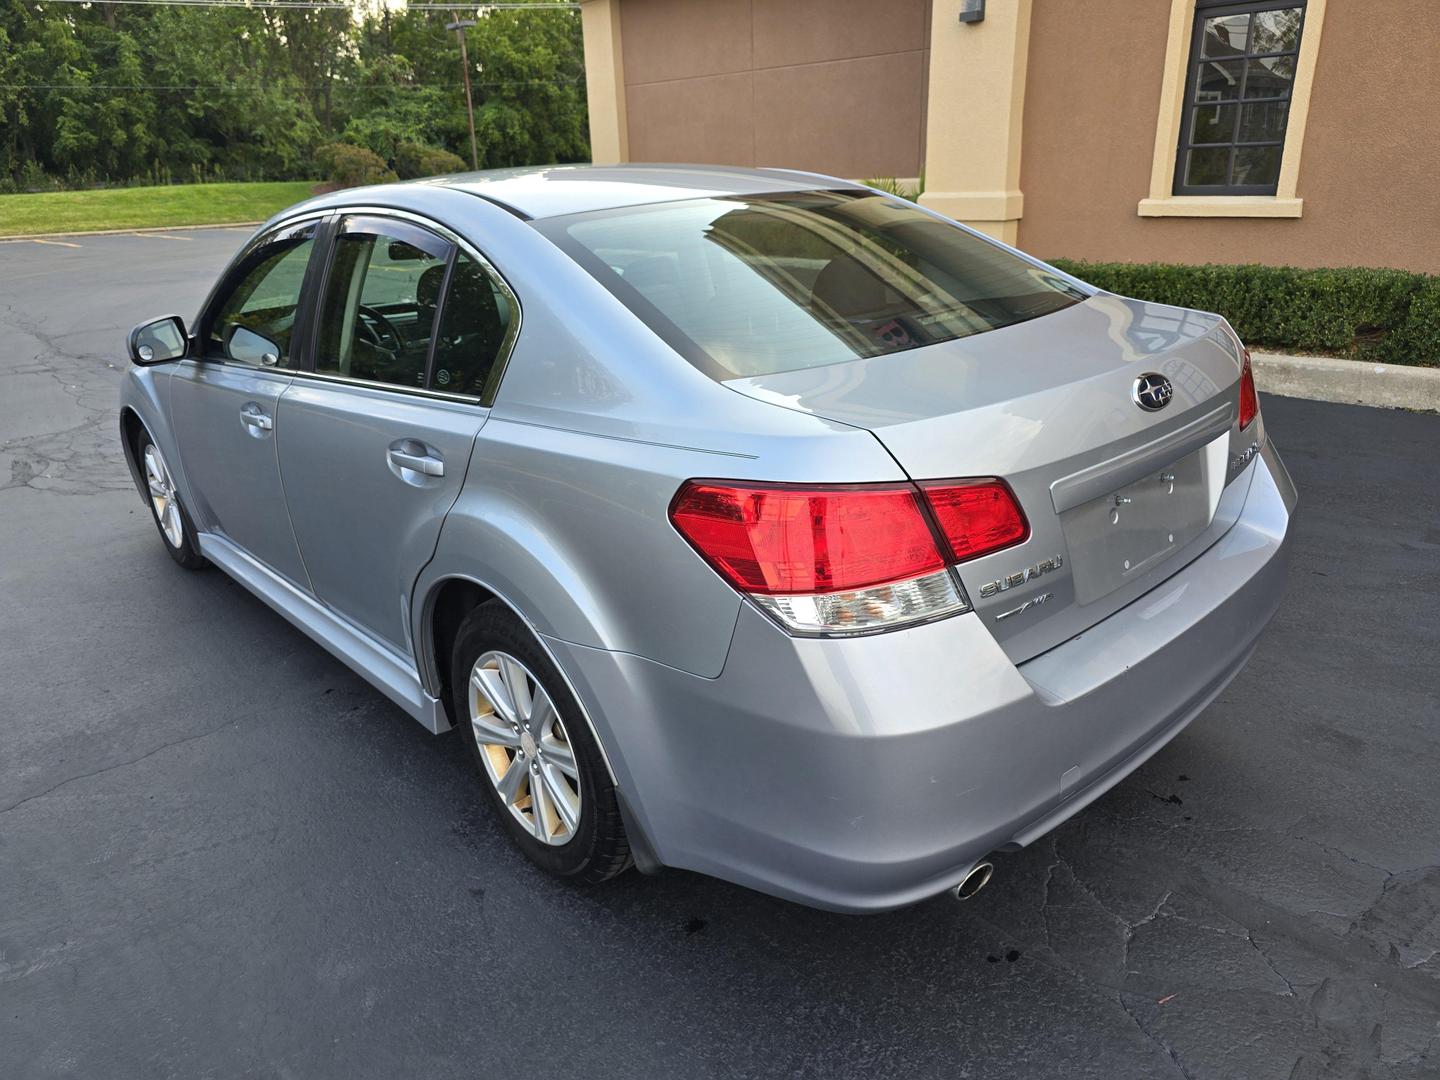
point(413, 160)
point(352, 166)
point(1389, 316)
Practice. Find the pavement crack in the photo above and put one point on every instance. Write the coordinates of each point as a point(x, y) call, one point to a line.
point(1341, 854)
point(1101, 989)
point(1131, 928)
point(1289, 986)
point(1154, 1039)
point(1087, 890)
point(116, 765)
point(1045, 896)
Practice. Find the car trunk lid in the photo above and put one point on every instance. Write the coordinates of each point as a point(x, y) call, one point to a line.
point(1118, 497)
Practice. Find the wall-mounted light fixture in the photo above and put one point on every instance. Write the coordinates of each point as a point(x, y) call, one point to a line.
point(972, 11)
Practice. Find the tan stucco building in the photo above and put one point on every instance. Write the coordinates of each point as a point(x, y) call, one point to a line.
point(1304, 132)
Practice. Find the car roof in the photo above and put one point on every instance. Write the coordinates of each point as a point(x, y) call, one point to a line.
point(551, 190)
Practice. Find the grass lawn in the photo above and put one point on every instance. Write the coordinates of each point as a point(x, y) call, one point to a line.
point(146, 207)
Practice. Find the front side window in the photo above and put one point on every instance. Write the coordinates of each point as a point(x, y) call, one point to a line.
point(745, 286)
point(379, 303)
point(1237, 97)
point(255, 321)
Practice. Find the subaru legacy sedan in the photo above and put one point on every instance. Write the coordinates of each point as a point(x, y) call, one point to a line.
point(747, 521)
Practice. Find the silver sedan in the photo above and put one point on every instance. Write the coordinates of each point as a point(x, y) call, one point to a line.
point(747, 521)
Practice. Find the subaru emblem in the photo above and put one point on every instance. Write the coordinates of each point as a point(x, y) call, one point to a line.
point(1152, 392)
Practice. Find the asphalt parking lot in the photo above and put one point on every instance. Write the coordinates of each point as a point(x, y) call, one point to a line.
point(222, 854)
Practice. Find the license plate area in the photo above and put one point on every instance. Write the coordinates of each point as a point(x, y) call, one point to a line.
point(1118, 536)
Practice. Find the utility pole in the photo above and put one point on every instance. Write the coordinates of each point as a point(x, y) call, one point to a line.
point(459, 26)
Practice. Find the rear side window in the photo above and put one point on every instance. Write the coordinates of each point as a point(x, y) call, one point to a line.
point(746, 286)
point(474, 322)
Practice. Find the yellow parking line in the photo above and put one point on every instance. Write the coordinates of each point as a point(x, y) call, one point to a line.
point(160, 236)
point(57, 243)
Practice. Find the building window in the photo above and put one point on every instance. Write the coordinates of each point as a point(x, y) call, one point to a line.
point(1238, 86)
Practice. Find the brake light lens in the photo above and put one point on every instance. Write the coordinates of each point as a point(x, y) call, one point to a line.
point(1249, 401)
point(976, 517)
point(780, 540)
point(838, 559)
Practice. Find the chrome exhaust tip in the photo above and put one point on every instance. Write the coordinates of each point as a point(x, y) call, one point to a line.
point(978, 877)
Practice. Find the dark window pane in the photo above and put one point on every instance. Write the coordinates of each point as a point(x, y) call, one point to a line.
point(1225, 35)
point(1257, 165)
point(1219, 80)
point(1213, 124)
point(1275, 31)
point(1207, 166)
point(1264, 122)
point(473, 324)
point(265, 299)
point(1270, 77)
point(378, 310)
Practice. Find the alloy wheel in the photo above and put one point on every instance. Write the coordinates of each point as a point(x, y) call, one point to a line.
point(524, 747)
point(162, 497)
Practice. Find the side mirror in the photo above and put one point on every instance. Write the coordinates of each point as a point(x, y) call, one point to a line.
point(159, 340)
point(245, 346)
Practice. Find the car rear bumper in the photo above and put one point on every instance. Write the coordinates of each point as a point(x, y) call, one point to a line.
point(868, 773)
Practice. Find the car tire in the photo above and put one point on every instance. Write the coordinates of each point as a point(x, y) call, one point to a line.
point(177, 532)
point(496, 660)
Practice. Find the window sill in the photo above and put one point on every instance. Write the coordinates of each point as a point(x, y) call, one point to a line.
point(1221, 206)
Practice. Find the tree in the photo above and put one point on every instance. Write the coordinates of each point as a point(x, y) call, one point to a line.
point(126, 93)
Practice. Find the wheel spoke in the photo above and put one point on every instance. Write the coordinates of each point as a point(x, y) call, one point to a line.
point(491, 684)
point(540, 810)
point(517, 682)
point(542, 713)
point(491, 730)
point(171, 523)
point(559, 755)
point(509, 784)
point(157, 489)
point(561, 798)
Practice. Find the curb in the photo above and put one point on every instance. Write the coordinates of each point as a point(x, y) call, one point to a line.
point(127, 232)
point(1352, 382)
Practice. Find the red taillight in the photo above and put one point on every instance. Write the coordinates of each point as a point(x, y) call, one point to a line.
point(976, 517)
point(782, 540)
point(1249, 402)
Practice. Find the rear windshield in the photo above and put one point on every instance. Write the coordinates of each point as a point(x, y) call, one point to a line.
point(745, 286)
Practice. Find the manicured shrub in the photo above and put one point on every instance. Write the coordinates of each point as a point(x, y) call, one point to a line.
point(347, 165)
point(413, 160)
point(1417, 335)
point(1389, 316)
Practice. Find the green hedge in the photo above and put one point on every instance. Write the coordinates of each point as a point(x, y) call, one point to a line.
point(1389, 316)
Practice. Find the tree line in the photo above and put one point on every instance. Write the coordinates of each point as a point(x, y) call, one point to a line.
point(112, 93)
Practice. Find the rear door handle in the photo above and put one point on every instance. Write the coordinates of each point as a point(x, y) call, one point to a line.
point(413, 455)
point(254, 416)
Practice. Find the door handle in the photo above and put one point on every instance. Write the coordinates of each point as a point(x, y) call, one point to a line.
point(409, 454)
point(254, 416)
